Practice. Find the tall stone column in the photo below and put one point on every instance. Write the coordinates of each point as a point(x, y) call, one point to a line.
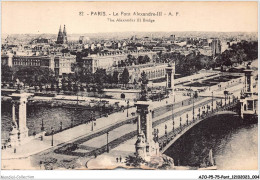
point(248, 80)
point(144, 140)
point(170, 71)
point(23, 118)
point(19, 133)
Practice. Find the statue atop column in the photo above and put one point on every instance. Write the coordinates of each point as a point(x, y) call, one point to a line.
point(144, 83)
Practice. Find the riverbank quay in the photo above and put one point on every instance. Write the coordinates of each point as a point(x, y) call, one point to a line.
point(67, 136)
point(59, 100)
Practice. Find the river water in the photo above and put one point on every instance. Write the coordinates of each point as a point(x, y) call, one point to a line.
point(234, 144)
point(51, 117)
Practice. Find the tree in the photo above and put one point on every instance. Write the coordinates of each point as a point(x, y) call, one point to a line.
point(6, 73)
point(109, 79)
point(115, 77)
point(100, 76)
point(89, 78)
point(33, 76)
point(146, 59)
point(134, 161)
point(125, 77)
point(63, 83)
point(65, 50)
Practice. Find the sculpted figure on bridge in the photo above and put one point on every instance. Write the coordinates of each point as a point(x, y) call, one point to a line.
point(140, 145)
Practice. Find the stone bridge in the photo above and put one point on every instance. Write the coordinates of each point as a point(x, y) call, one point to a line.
point(169, 138)
point(150, 141)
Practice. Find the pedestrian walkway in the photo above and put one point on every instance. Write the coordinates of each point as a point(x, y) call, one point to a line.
point(36, 145)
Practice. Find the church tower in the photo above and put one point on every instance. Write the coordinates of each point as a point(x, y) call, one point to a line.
point(60, 37)
point(65, 40)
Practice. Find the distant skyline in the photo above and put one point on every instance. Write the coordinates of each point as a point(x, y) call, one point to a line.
point(46, 17)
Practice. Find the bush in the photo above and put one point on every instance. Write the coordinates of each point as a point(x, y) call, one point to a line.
point(134, 161)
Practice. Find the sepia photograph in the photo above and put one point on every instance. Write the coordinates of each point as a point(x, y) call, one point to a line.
point(131, 85)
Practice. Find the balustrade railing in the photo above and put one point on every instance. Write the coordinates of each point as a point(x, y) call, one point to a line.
point(165, 139)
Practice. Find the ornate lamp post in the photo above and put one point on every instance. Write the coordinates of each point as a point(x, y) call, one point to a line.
point(127, 108)
point(92, 120)
point(72, 121)
point(52, 132)
point(180, 122)
point(212, 101)
point(225, 99)
point(193, 108)
point(107, 143)
point(172, 113)
point(42, 128)
point(61, 126)
point(173, 124)
point(157, 135)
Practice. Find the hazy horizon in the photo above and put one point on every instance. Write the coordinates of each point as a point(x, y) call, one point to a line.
point(136, 32)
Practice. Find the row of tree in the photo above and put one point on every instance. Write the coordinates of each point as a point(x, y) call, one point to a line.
point(131, 60)
point(82, 75)
point(29, 76)
point(238, 53)
point(40, 76)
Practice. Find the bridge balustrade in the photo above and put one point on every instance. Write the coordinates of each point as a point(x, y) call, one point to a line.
point(165, 139)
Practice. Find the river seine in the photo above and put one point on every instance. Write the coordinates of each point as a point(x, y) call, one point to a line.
point(50, 116)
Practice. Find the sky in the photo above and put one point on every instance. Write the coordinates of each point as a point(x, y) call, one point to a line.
point(46, 17)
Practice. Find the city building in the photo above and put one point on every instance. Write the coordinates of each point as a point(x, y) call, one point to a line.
point(7, 59)
point(40, 61)
point(109, 60)
point(153, 71)
point(63, 64)
point(60, 63)
point(158, 49)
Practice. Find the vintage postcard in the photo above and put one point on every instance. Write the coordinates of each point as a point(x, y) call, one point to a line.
point(147, 85)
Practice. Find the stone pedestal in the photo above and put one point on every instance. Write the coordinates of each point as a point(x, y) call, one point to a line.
point(140, 146)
